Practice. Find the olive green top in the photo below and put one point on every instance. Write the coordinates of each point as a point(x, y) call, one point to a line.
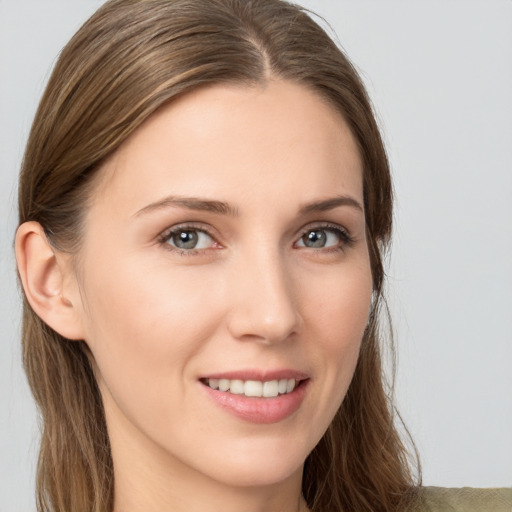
point(465, 499)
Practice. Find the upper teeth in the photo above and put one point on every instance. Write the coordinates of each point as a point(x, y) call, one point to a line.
point(265, 389)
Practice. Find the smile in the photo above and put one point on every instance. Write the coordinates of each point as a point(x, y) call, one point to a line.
point(255, 397)
point(253, 388)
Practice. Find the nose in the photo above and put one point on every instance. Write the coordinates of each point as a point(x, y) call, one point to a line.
point(263, 302)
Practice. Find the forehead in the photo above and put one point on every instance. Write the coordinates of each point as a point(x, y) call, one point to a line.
point(235, 142)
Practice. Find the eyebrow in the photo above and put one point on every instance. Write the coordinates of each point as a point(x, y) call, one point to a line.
point(191, 203)
point(330, 204)
point(223, 208)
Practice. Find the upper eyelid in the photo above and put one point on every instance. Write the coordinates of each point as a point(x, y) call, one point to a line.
point(324, 225)
point(211, 231)
point(187, 226)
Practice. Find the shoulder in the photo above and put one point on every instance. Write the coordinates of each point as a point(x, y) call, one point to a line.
point(464, 499)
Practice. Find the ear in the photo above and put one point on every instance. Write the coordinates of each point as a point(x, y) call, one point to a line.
point(50, 286)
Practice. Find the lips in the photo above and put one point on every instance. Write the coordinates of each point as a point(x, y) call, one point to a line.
point(257, 397)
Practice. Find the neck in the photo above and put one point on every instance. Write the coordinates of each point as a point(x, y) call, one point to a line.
point(149, 480)
point(143, 487)
point(181, 495)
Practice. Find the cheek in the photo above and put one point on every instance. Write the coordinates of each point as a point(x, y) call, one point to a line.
point(143, 325)
point(339, 304)
point(144, 303)
point(145, 331)
point(337, 319)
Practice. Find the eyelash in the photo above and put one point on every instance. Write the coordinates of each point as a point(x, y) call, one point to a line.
point(346, 240)
point(166, 235)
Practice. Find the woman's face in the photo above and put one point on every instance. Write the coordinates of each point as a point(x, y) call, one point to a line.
point(225, 247)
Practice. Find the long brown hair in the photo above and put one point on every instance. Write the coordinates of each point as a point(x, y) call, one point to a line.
point(127, 60)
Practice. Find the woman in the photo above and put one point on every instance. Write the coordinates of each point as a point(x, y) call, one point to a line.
point(204, 202)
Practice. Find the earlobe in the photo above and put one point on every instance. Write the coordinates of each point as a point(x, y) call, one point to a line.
point(42, 271)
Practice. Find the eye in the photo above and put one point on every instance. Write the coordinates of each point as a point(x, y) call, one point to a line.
point(324, 237)
point(188, 239)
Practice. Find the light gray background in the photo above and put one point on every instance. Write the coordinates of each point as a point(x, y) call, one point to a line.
point(440, 75)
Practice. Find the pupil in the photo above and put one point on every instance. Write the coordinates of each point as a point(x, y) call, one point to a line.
point(315, 239)
point(185, 239)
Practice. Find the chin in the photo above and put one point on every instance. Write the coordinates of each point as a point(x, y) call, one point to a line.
point(258, 462)
point(266, 474)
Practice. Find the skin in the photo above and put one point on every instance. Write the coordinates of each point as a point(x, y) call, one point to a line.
point(252, 296)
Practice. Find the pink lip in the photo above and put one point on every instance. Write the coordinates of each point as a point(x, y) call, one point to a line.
point(254, 409)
